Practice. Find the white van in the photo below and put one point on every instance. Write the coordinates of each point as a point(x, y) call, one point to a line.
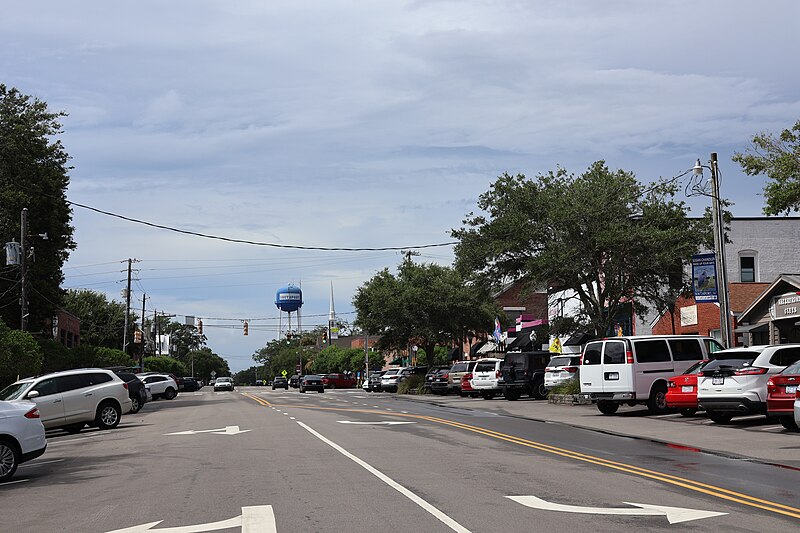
point(635, 369)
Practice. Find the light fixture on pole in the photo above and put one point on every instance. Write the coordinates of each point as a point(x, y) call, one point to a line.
point(719, 250)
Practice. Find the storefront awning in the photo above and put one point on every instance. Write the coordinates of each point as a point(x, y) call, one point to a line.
point(752, 328)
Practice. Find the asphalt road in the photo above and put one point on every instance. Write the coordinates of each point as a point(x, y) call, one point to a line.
point(257, 460)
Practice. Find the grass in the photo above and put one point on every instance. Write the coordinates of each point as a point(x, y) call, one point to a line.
point(572, 386)
point(412, 383)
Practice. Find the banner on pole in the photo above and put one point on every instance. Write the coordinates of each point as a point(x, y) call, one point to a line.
point(704, 278)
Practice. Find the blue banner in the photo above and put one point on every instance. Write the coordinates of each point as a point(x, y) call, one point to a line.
point(704, 278)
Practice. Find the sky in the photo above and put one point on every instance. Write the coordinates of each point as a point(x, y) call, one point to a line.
point(352, 124)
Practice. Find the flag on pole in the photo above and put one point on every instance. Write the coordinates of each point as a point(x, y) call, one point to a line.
point(497, 331)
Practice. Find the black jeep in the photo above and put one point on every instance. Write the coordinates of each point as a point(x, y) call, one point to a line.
point(523, 373)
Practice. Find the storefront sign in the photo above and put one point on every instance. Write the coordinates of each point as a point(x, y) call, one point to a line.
point(689, 316)
point(704, 278)
point(785, 306)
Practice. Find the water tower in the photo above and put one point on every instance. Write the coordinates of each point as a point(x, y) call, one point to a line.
point(289, 299)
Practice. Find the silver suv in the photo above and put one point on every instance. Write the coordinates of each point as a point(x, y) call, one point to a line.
point(73, 398)
point(735, 382)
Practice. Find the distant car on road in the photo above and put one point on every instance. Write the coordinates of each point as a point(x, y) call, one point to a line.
point(280, 382)
point(161, 385)
point(189, 384)
point(223, 383)
point(311, 382)
point(21, 436)
point(294, 381)
point(338, 381)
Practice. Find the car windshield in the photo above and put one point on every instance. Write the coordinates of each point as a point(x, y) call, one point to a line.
point(311, 376)
point(14, 391)
point(391, 372)
point(459, 367)
point(485, 367)
point(223, 380)
point(563, 361)
point(736, 354)
point(725, 363)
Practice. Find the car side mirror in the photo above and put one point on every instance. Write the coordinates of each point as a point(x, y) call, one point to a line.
point(33, 394)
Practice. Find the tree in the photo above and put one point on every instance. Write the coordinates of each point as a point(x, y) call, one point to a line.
point(425, 305)
point(33, 175)
point(185, 338)
point(281, 354)
point(165, 364)
point(602, 235)
point(20, 355)
point(102, 321)
point(779, 159)
point(205, 362)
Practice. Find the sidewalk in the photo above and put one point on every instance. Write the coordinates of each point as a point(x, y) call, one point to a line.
point(747, 437)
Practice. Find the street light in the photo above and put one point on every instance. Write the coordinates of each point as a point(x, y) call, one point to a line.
point(719, 250)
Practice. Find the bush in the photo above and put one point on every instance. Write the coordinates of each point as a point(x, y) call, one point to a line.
point(412, 383)
point(20, 355)
point(572, 386)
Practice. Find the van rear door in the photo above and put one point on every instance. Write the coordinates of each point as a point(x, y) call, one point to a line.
point(617, 372)
point(591, 375)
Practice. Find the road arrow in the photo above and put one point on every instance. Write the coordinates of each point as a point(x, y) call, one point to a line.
point(227, 430)
point(255, 519)
point(675, 515)
point(382, 423)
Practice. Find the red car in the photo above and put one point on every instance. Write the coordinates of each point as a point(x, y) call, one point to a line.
point(338, 381)
point(781, 391)
point(682, 389)
point(466, 386)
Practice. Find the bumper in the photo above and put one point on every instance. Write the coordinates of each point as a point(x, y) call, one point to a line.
point(682, 401)
point(222, 388)
point(735, 405)
point(612, 396)
point(33, 454)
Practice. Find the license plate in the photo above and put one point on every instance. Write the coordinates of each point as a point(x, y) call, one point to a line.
point(687, 388)
point(718, 380)
point(791, 389)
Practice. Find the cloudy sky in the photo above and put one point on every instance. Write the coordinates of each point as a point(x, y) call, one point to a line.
point(327, 123)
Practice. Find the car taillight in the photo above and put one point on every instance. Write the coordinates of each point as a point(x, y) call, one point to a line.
point(124, 384)
point(570, 369)
point(749, 371)
point(33, 413)
point(497, 373)
point(797, 393)
point(671, 384)
point(445, 376)
point(629, 357)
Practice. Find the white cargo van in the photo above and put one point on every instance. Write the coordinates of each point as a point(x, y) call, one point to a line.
point(635, 369)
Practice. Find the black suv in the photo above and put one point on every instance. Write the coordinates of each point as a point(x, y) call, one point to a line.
point(136, 389)
point(523, 373)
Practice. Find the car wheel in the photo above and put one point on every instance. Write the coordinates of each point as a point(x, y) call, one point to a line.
point(333, 385)
point(462, 394)
point(487, 395)
point(170, 393)
point(135, 405)
point(789, 423)
point(321, 390)
point(302, 390)
point(9, 459)
point(657, 402)
point(108, 415)
point(512, 394)
point(606, 407)
point(273, 388)
point(539, 390)
point(718, 417)
point(74, 428)
point(688, 411)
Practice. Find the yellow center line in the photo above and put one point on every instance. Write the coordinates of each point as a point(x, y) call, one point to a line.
point(689, 484)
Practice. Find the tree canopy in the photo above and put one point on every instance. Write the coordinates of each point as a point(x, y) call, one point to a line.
point(425, 305)
point(601, 234)
point(33, 175)
point(779, 159)
point(102, 321)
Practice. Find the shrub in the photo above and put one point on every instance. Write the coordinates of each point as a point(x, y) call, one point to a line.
point(20, 355)
point(572, 386)
point(412, 383)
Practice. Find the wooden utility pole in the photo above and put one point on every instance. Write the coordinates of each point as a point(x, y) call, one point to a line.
point(23, 239)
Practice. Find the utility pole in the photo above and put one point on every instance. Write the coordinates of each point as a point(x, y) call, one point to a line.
point(144, 340)
point(23, 324)
point(127, 309)
point(719, 249)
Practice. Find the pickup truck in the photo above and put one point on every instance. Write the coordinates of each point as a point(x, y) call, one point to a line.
point(338, 381)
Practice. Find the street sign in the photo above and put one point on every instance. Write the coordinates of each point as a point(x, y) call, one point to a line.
point(213, 373)
point(283, 373)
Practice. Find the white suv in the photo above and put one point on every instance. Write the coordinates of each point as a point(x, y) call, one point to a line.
point(485, 377)
point(73, 398)
point(160, 385)
point(735, 382)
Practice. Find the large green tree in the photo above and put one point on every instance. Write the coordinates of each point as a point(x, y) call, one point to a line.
point(425, 305)
point(779, 159)
point(102, 321)
point(601, 234)
point(20, 355)
point(205, 361)
point(33, 175)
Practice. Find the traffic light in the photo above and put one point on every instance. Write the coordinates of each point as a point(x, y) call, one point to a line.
point(200, 327)
point(324, 337)
point(137, 336)
point(244, 327)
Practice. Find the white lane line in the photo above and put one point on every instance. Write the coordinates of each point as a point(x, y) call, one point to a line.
point(292, 418)
point(12, 482)
point(449, 522)
point(772, 428)
point(59, 443)
point(37, 463)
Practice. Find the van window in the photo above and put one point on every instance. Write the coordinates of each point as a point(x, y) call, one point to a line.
point(614, 353)
point(652, 351)
point(591, 354)
point(686, 349)
point(712, 346)
point(785, 356)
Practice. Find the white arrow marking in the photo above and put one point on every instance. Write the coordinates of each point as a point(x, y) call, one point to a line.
point(227, 430)
point(383, 423)
point(256, 519)
point(675, 515)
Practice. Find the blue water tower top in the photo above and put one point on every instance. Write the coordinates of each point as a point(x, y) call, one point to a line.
point(289, 298)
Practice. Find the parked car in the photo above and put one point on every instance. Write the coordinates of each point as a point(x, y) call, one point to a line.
point(338, 381)
point(682, 389)
point(373, 383)
point(391, 379)
point(466, 387)
point(189, 384)
point(797, 408)
point(561, 369)
point(223, 383)
point(738, 386)
point(431, 374)
point(456, 371)
point(781, 392)
point(486, 377)
point(440, 382)
point(311, 382)
point(523, 373)
point(70, 399)
point(635, 369)
point(21, 436)
point(280, 382)
point(161, 385)
point(137, 391)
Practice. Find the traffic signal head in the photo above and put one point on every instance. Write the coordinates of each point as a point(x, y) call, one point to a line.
point(245, 327)
point(200, 327)
point(324, 337)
